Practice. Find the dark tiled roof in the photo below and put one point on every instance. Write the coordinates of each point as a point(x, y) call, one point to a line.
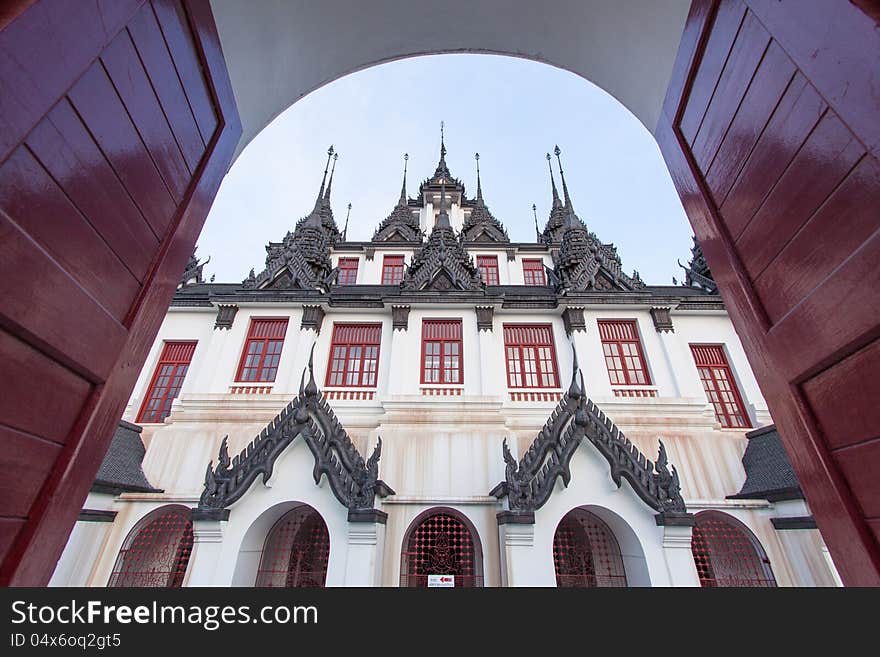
point(769, 475)
point(120, 470)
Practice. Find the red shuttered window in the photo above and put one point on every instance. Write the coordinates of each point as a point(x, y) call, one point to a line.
point(348, 271)
point(354, 355)
point(262, 350)
point(531, 356)
point(488, 266)
point(392, 270)
point(441, 351)
point(533, 273)
point(623, 353)
point(167, 381)
point(720, 386)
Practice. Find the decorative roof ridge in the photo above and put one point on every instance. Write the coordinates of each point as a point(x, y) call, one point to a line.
point(354, 482)
point(697, 272)
point(529, 483)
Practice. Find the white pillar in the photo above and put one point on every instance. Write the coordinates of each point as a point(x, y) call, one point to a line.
point(401, 370)
point(366, 550)
point(681, 366)
point(678, 556)
point(521, 565)
point(307, 338)
point(488, 367)
point(207, 548)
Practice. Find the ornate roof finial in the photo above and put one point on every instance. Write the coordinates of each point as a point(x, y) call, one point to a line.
point(332, 171)
point(443, 218)
point(568, 204)
point(535, 214)
point(556, 202)
point(345, 230)
point(479, 188)
point(442, 143)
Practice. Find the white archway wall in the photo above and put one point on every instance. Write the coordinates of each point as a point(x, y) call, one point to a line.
point(277, 51)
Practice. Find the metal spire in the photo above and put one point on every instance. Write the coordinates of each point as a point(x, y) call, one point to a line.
point(332, 171)
point(568, 204)
point(443, 218)
point(556, 202)
point(345, 230)
point(442, 144)
point(535, 213)
point(403, 186)
point(324, 179)
point(479, 188)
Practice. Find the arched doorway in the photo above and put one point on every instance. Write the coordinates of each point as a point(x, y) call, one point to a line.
point(586, 552)
point(156, 552)
point(727, 554)
point(296, 551)
point(441, 542)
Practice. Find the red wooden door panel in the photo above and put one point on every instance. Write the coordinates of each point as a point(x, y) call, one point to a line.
point(770, 131)
point(117, 123)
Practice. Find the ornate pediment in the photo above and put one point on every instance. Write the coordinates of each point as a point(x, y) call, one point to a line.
point(354, 482)
point(697, 273)
point(529, 483)
point(442, 265)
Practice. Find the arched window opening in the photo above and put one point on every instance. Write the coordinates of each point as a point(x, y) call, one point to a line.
point(727, 554)
point(586, 553)
point(296, 551)
point(156, 552)
point(441, 544)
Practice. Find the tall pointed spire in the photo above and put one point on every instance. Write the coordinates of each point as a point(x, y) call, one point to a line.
point(345, 230)
point(324, 179)
point(479, 187)
point(401, 225)
point(442, 145)
point(480, 225)
point(568, 204)
point(403, 186)
point(330, 182)
point(535, 214)
point(556, 202)
point(443, 217)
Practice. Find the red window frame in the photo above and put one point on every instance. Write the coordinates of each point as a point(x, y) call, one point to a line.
point(354, 356)
point(392, 269)
point(167, 380)
point(624, 356)
point(533, 273)
point(348, 270)
point(262, 351)
point(442, 355)
point(530, 354)
point(488, 266)
point(720, 386)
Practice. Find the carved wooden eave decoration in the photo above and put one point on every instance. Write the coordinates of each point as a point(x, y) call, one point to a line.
point(529, 483)
point(354, 482)
point(442, 265)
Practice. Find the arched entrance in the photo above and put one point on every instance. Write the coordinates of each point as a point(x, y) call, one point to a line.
point(296, 551)
point(138, 223)
point(586, 552)
point(727, 553)
point(441, 542)
point(156, 551)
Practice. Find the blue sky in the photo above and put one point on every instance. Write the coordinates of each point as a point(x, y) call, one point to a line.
point(511, 111)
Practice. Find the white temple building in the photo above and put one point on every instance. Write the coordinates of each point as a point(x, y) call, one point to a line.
point(443, 406)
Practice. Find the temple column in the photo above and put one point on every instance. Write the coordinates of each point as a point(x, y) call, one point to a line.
point(520, 563)
point(366, 547)
point(312, 318)
point(677, 553)
point(677, 355)
point(207, 548)
point(401, 369)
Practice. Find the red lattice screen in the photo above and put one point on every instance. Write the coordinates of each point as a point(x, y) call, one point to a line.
point(440, 545)
point(296, 551)
point(156, 553)
point(586, 553)
point(727, 556)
